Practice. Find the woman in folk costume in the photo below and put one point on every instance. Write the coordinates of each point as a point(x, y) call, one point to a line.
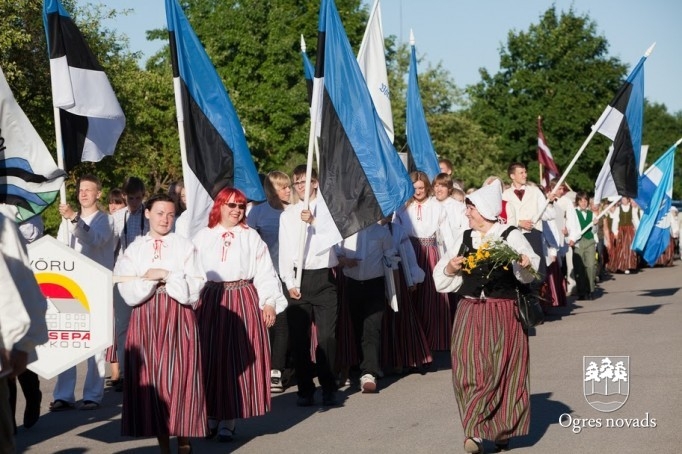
point(625, 222)
point(489, 346)
point(405, 347)
point(425, 221)
point(163, 391)
point(237, 306)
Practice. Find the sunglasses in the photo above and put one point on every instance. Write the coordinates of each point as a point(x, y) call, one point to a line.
point(232, 205)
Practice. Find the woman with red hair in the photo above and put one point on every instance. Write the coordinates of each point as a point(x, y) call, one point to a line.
point(236, 307)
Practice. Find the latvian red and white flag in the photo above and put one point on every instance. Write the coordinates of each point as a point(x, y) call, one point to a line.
point(545, 158)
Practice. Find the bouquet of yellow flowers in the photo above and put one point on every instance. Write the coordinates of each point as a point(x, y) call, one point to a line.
point(497, 253)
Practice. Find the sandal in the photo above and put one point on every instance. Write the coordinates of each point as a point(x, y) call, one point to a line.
point(473, 445)
point(60, 405)
point(89, 405)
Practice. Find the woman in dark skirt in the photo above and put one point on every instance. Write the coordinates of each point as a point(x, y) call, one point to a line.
point(489, 347)
point(163, 392)
point(237, 306)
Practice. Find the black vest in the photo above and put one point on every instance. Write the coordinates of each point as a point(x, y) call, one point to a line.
point(496, 283)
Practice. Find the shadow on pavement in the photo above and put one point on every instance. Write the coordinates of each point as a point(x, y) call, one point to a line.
point(544, 412)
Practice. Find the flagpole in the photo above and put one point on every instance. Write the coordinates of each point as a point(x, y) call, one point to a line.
point(540, 163)
point(60, 164)
point(180, 115)
point(60, 151)
point(312, 148)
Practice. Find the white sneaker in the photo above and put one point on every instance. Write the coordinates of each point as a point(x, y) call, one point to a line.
point(276, 382)
point(368, 384)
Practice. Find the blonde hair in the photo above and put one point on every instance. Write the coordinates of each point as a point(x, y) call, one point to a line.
point(273, 181)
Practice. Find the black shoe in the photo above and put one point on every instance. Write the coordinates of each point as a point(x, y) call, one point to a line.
point(305, 401)
point(32, 410)
point(329, 399)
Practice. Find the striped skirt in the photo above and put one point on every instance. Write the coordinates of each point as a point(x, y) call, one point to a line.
point(235, 351)
point(623, 258)
point(553, 290)
point(490, 369)
point(163, 391)
point(433, 307)
point(404, 344)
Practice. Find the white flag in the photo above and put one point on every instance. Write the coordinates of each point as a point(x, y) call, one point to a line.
point(372, 62)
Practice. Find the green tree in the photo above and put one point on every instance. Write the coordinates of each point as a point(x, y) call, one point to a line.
point(255, 47)
point(559, 69)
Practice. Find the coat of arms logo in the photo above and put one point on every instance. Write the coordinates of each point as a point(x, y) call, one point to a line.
point(606, 383)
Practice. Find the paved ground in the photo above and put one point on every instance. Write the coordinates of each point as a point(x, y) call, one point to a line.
point(637, 316)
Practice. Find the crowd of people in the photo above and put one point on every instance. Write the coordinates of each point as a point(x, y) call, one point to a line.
point(208, 326)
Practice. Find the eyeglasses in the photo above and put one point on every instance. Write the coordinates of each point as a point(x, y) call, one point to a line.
point(232, 205)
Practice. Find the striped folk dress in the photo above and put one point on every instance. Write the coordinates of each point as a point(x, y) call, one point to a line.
point(404, 344)
point(163, 390)
point(235, 351)
point(490, 369)
point(433, 307)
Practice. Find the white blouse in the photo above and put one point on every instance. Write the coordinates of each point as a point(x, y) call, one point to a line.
point(425, 220)
point(174, 253)
point(236, 254)
point(516, 240)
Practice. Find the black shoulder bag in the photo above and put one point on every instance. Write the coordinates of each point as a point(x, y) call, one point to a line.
point(529, 312)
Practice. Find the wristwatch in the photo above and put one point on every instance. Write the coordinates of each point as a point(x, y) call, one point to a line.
point(75, 219)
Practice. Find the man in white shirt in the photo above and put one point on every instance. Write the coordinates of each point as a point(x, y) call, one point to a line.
point(89, 231)
point(527, 208)
point(316, 297)
point(363, 257)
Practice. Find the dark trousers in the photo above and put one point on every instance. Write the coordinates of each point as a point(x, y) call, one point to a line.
point(30, 386)
point(279, 342)
point(318, 302)
point(367, 302)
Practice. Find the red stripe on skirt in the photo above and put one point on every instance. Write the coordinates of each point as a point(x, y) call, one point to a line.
point(490, 369)
point(623, 257)
point(235, 352)
point(433, 307)
point(404, 343)
point(163, 385)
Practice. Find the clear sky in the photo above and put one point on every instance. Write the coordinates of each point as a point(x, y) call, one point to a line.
point(467, 35)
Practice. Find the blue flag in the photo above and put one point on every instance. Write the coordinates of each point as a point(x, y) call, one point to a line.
point(216, 151)
point(361, 176)
point(421, 154)
point(621, 122)
point(653, 233)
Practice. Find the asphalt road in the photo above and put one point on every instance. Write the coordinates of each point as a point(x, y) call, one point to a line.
point(636, 315)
